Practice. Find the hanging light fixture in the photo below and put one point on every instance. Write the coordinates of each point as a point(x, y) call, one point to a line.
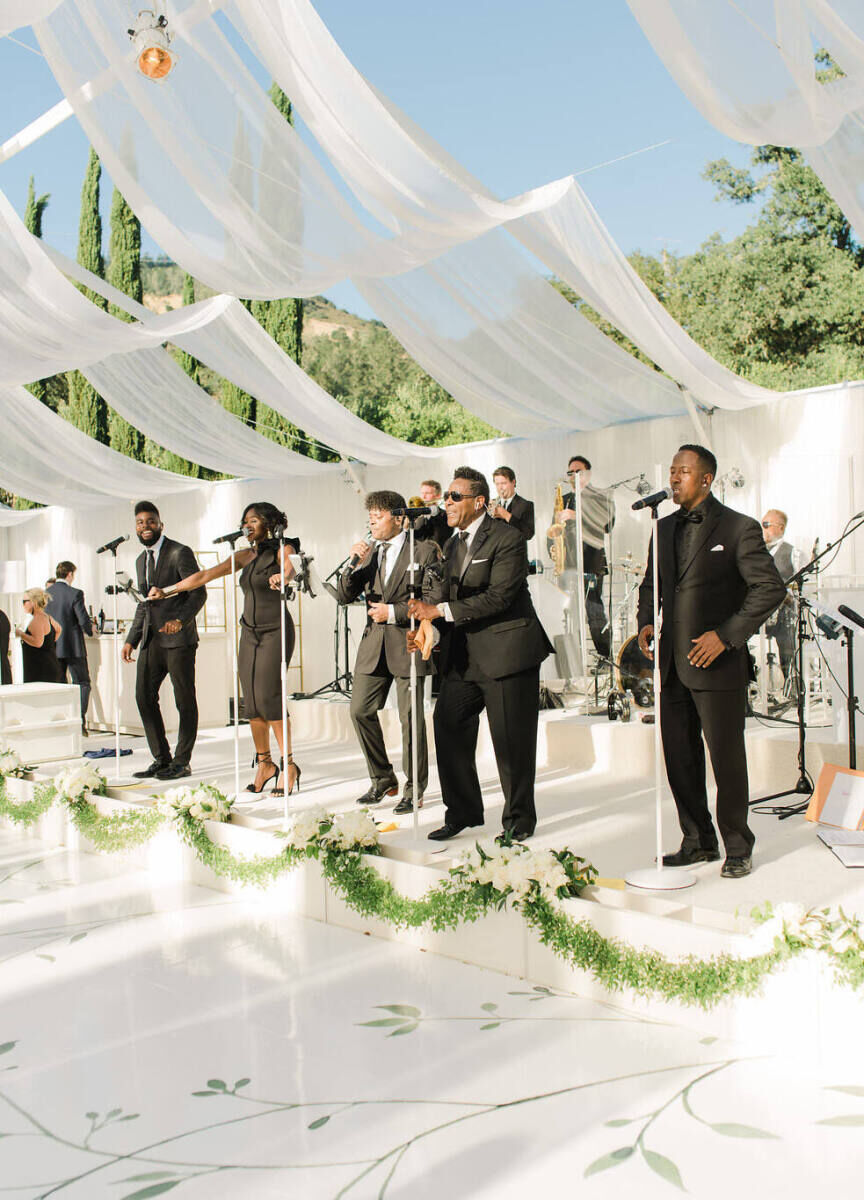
point(152, 41)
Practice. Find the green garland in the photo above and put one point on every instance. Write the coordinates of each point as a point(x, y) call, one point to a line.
point(459, 900)
point(27, 812)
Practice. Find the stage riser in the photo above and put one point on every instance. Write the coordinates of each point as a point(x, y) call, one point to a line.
point(800, 1009)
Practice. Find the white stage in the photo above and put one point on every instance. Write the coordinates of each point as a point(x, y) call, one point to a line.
point(594, 796)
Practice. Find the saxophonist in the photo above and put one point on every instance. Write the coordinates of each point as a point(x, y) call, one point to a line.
point(598, 518)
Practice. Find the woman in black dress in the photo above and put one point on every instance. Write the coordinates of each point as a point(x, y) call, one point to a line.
point(39, 641)
point(260, 654)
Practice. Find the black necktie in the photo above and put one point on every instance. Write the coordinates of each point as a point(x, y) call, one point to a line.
point(382, 565)
point(150, 570)
point(460, 554)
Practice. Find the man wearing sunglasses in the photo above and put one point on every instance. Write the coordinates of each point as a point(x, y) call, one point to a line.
point(491, 648)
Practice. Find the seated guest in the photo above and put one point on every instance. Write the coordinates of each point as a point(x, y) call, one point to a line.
point(39, 641)
point(5, 631)
point(517, 512)
point(781, 624)
point(434, 527)
point(67, 606)
point(382, 574)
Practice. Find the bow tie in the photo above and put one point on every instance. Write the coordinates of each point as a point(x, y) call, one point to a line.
point(696, 517)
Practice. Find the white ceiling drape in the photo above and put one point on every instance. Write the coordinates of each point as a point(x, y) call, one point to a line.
point(16, 13)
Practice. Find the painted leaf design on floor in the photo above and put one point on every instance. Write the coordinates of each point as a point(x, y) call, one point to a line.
point(733, 1129)
point(609, 1160)
point(663, 1166)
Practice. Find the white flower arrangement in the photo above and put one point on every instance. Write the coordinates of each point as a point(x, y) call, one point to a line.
point(348, 831)
point(11, 765)
point(305, 827)
point(518, 871)
point(203, 802)
point(828, 929)
point(79, 783)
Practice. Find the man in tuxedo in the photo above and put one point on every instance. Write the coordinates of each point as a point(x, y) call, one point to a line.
point(167, 635)
point(598, 518)
point(515, 510)
point(383, 575)
point(5, 631)
point(491, 647)
point(66, 606)
point(718, 583)
point(781, 624)
point(432, 528)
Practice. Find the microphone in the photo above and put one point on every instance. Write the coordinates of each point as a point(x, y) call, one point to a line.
point(355, 558)
point(851, 614)
point(112, 546)
point(421, 511)
point(652, 501)
point(228, 537)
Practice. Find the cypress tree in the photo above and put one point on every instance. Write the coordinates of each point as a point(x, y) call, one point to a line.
point(45, 390)
point(124, 273)
point(189, 364)
point(85, 408)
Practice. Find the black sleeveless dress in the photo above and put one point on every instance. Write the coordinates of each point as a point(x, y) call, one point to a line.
point(260, 654)
point(40, 662)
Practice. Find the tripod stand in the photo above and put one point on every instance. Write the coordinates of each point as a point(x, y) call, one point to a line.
point(342, 682)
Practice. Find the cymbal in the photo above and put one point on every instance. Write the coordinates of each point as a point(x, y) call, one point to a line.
point(627, 564)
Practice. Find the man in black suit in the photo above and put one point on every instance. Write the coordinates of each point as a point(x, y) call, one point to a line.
point(781, 624)
point(718, 583)
point(168, 636)
point(5, 631)
point(67, 608)
point(515, 510)
point(598, 518)
point(383, 575)
point(491, 647)
point(433, 528)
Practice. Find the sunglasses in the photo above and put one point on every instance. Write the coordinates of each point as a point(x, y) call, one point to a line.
point(457, 496)
point(769, 524)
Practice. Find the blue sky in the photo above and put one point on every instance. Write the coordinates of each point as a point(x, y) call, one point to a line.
point(520, 93)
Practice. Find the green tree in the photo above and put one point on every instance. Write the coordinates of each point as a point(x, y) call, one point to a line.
point(124, 273)
point(85, 408)
point(35, 209)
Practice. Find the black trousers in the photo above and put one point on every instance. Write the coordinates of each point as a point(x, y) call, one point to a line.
point(512, 705)
point(368, 696)
point(79, 672)
point(154, 663)
point(685, 715)
point(595, 613)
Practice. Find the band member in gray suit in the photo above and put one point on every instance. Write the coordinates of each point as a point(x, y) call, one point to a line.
point(718, 583)
point(491, 648)
point(382, 573)
point(167, 634)
point(67, 608)
point(781, 624)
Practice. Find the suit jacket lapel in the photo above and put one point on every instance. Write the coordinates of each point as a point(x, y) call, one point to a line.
point(476, 543)
point(706, 529)
point(399, 568)
point(163, 563)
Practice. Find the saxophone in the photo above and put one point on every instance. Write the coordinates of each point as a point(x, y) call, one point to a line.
point(555, 533)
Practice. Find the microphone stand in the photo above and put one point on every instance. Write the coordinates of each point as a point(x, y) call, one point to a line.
point(804, 784)
point(113, 590)
point(232, 539)
point(343, 681)
point(658, 878)
point(280, 535)
point(412, 591)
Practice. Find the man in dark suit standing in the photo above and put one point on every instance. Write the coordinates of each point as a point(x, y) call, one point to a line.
point(5, 631)
point(383, 575)
point(491, 648)
point(515, 510)
point(167, 634)
point(781, 624)
point(434, 527)
point(67, 608)
point(718, 583)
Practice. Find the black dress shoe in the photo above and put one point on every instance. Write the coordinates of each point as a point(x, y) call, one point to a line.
point(687, 858)
point(148, 772)
point(173, 771)
point(447, 830)
point(377, 791)
point(737, 868)
point(519, 835)
point(406, 805)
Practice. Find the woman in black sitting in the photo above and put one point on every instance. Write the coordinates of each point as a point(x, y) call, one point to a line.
point(260, 654)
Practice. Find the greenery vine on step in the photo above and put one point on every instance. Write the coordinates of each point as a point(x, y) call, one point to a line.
point(26, 812)
point(114, 832)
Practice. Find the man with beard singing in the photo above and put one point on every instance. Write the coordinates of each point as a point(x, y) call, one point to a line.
point(167, 634)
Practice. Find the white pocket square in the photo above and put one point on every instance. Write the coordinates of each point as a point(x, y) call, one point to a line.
point(474, 561)
point(717, 547)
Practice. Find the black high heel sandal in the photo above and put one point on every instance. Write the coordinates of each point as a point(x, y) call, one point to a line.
point(291, 763)
point(259, 758)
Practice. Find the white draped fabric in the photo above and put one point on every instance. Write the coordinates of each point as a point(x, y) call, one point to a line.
point(747, 65)
point(44, 458)
point(10, 516)
point(15, 13)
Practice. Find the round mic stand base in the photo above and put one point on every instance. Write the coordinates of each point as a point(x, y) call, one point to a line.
point(659, 879)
